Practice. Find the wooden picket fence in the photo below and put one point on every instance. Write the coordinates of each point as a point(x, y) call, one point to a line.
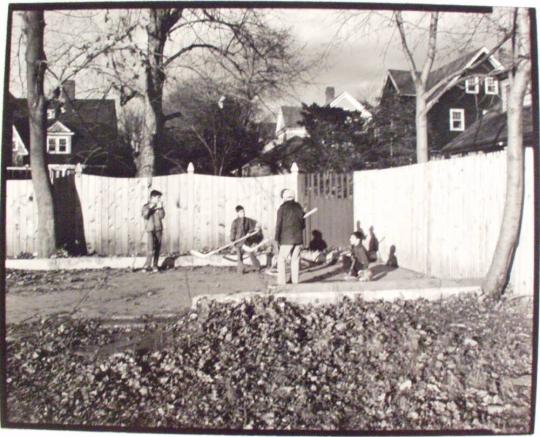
point(199, 210)
point(444, 217)
point(332, 194)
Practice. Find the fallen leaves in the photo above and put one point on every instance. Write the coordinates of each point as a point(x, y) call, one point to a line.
point(271, 364)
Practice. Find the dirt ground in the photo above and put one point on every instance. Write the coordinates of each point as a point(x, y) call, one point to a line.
point(108, 293)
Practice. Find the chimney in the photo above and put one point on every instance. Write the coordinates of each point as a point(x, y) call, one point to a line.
point(330, 94)
point(68, 90)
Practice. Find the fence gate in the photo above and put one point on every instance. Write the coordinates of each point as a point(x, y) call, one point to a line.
point(332, 194)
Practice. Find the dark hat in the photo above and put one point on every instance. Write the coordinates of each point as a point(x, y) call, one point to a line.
point(239, 208)
point(155, 193)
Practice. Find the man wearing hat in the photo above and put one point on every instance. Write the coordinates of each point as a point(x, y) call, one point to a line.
point(290, 225)
point(153, 214)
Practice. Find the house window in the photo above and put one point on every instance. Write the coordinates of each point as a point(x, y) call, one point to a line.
point(457, 119)
point(62, 145)
point(491, 85)
point(58, 145)
point(472, 85)
point(51, 113)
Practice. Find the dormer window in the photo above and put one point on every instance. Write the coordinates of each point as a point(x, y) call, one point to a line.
point(491, 86)
point(472, 85)
point(51, 114)
point(59, 145)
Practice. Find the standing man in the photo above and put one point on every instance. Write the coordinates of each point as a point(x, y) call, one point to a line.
point(153, 214)
point(290, 225)
point(240, 227)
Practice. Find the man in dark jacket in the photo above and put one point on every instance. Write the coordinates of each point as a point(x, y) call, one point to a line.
point(153, 214)
point(240, 227)
point(290, 225)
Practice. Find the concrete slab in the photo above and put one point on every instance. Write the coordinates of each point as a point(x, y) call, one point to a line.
point(333, 292)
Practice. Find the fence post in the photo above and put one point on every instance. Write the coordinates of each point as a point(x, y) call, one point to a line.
point(190, 239)
point(295, 182)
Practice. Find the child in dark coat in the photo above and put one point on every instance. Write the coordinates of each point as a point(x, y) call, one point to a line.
point(240, 227)
point(356, 263)
point(153, 214)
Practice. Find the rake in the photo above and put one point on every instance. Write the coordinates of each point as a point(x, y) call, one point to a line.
point(219, 249)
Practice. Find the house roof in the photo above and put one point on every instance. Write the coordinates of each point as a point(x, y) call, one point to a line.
point(403, 82)
point(292, 115)
point(346, 101)
point(267, 129)
point(92, 120)
point(490, 133)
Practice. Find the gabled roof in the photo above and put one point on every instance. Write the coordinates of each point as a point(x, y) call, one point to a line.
point(21, 148)
point(490, 133)
point(59, 128)
point(403, 82)
point(345, 98)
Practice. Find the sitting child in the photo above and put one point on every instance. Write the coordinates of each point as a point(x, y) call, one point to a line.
point(316, 252)
point(356, 263)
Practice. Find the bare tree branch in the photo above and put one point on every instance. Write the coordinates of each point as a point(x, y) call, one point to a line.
point(408, 53)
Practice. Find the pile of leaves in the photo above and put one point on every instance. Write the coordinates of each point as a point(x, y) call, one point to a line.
point(267, 363)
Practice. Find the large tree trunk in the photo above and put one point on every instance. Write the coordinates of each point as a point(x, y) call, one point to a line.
point(160, 23)
point(422, 150)
point(34, 25)
point(146, 158)
point(501, 264)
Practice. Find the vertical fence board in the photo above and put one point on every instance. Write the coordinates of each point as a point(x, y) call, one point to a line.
point(449, 226)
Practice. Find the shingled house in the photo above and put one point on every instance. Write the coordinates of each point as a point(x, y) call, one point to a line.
point(79, 131)
point(490, 134)
point(482, 91)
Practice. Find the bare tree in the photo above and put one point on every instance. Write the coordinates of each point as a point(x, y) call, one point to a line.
point(36, 64)
point(420, 78)
point(191, 40)
point(520, 75)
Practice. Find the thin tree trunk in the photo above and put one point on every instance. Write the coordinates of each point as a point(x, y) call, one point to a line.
point(422, 150)
point(499, 272)
point(34, 24)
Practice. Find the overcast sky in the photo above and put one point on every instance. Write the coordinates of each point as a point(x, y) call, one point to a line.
point(361, 46)
point(354, 48)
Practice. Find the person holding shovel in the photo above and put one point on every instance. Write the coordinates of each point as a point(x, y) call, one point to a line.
point(290, 224)
point(240, 227)
point(153, 214)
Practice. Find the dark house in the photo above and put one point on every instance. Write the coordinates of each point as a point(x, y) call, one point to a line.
point(489, 134)
point(79, 131)
point(480, 90)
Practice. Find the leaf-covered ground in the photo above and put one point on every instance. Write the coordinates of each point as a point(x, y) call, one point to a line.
point(270, 364)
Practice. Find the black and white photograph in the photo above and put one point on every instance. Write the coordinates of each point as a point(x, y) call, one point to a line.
point(284, 218)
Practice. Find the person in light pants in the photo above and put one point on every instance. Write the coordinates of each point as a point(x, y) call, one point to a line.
point(290, 225)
